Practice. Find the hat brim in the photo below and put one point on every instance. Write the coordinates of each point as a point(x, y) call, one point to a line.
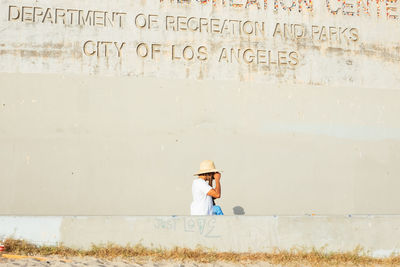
point(206, 171)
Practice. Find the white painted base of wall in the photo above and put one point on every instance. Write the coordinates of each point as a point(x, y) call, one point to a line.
point(378, 235)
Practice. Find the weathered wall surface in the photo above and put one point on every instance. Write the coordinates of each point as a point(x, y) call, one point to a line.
point(354, 43)
point(377, 235)
point(108, 107)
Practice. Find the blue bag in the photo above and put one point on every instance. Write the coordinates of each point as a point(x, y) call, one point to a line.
point(217, 210)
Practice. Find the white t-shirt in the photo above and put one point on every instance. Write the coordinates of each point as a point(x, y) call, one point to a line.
point(202, 203)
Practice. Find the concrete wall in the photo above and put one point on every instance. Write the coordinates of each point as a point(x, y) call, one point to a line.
point(377, 235)
point(304, 122)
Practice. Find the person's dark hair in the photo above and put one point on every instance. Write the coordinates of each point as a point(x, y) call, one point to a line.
point(210, 176)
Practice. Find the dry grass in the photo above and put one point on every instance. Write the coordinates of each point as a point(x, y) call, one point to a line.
point(201, 255)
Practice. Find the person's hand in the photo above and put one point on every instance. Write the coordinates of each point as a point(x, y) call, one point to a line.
point(217, 176)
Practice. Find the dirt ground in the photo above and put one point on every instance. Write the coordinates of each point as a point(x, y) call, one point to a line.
point(88, 261)
point(23, 253)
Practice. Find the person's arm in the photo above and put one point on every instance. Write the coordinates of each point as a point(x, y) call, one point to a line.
point(216, 193)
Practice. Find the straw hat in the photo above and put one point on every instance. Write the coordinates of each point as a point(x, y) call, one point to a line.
point(206, 166)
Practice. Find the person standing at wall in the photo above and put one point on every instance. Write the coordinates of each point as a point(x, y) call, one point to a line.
point(202, 191)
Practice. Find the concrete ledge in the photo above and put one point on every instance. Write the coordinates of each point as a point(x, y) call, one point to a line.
point(378, 235)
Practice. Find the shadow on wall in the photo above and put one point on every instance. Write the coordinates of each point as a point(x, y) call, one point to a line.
point(238, 210)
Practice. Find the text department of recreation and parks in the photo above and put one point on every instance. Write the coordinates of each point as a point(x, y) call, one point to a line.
point(177, 23)
point(259, 31)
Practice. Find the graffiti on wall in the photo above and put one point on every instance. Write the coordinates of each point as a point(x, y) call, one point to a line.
point(202, 226)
